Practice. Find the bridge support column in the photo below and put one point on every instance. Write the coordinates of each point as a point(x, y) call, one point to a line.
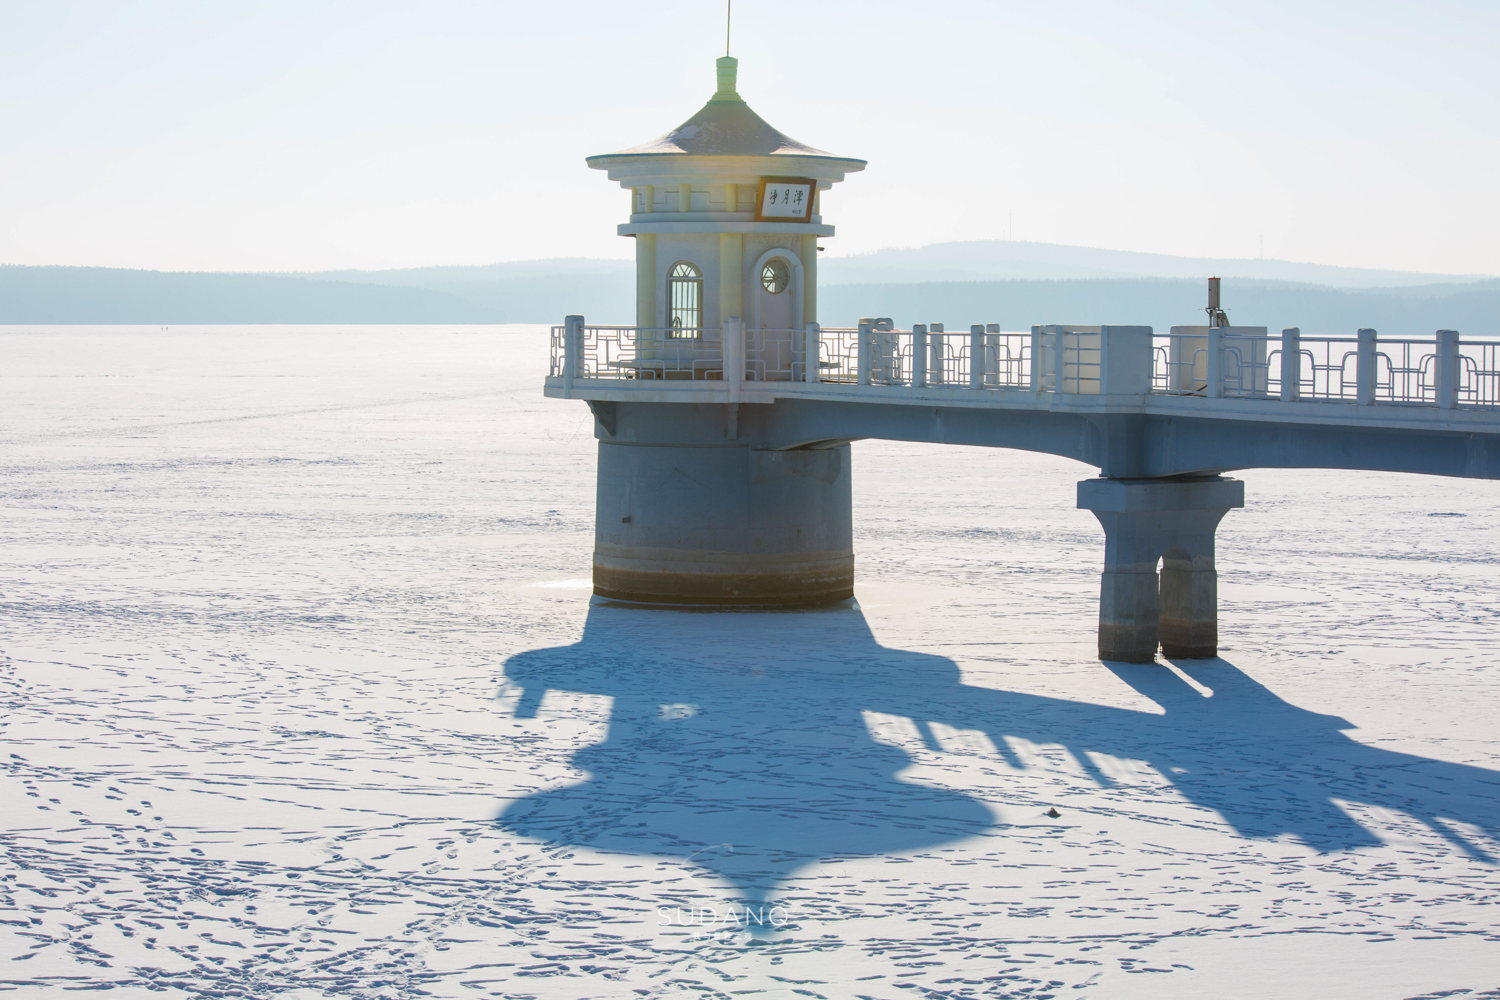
point(724, 524)
point(1146, 520)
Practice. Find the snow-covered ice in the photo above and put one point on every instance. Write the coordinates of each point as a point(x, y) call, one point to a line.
point(305, 696)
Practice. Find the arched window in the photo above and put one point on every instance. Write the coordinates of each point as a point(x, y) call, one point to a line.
point(685, 298)
point(775, 276)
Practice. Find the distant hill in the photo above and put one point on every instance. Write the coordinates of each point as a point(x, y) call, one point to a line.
point(478, 274)
point(1009, 260)
point(1014, 283)
point(529, 291)
point(113, 295)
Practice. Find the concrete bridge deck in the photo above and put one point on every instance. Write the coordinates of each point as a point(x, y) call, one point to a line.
point(1128, 408)
point(724, 457)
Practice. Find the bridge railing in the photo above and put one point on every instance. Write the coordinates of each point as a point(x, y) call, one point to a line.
point(1479, 374)
point(885, 357)
point(1246, 362)
point(1244, 365)
point(1227, 362)
point(775, 355)
point(838, 354)
point(932, 357)
point(627, 352)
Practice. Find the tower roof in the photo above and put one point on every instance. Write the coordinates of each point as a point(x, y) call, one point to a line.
point(725, 127)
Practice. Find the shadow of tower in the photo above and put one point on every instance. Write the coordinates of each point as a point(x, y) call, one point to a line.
point(738, 741)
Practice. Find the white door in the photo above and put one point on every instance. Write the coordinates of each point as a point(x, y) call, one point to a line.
point(776, 295)
point(774, 290)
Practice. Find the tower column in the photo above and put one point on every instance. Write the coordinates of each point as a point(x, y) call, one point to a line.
point(809, 279)
point(645, 281)
point(1146, 520)
point(731, 275)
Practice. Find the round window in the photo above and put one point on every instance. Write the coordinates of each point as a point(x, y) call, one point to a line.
point(775, 276)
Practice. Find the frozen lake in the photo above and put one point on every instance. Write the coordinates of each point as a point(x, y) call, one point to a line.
point(305, 697)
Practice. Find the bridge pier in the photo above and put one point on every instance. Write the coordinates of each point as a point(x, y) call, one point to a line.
point(1174, 521)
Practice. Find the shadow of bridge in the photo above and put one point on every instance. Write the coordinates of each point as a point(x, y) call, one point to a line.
point(738, 741)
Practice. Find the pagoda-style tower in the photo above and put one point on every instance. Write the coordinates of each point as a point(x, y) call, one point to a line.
point(693, 508)
point(725, 212)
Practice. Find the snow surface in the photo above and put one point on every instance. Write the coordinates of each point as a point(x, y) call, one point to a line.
point(305, 696)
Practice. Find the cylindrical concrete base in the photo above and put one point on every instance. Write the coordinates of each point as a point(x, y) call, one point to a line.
point(723, 525)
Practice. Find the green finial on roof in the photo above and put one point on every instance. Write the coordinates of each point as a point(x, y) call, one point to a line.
point(728, 70)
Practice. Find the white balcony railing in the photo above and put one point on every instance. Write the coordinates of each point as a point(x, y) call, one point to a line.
point(1445, 371)
point(1231, 362)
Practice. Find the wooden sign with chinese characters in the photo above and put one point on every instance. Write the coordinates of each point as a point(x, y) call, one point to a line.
point(785, 199)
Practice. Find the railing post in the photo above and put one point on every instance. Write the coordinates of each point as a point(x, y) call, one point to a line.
point(935, 348)
point(1214, 364)
point(1448, 370)
point(919, 355)
point(813, 366)
point(1364, 368)
point(572, 351)
point(732, 350)
point(862, 354)
point(1291, 364)
point(1038, 360)
point(733, 345)
point(976, 356)
point(885, 352)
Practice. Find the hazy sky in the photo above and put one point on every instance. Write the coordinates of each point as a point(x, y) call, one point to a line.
point(309, 135)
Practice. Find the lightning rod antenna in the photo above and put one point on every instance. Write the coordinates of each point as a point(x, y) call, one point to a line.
point(728, 16)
